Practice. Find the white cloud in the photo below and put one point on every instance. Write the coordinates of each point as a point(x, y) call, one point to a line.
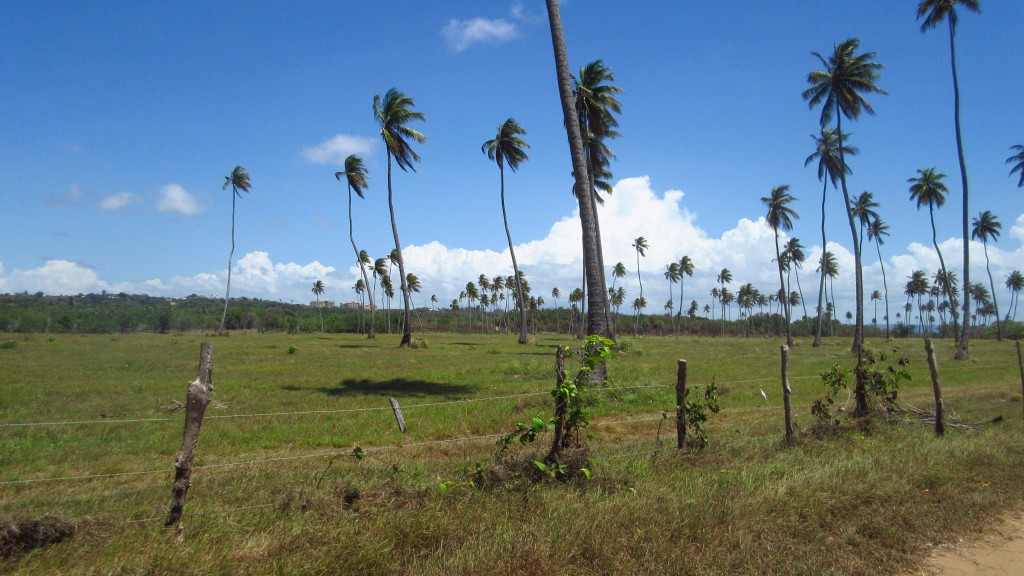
point(174, 198)
point(117, 201)
point(1017, 231)
point(334, 150)
point(57, 277)
point(461, 34)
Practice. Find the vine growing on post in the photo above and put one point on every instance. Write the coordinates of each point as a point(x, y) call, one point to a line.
point(880, 380)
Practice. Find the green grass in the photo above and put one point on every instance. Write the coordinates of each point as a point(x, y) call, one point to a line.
point(859, 502)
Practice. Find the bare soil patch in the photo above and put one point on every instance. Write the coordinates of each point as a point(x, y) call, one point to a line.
point(997, 551)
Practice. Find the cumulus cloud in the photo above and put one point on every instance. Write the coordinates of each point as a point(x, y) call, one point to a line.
point(334, 150)
point(461, 34)
point(174, 198)
point(1017, 231)
point(54, 277)
point(117, 201)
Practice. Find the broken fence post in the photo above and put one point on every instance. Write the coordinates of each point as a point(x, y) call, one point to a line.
point(398, 415)
point(681, 405)
point(785, 394)
point(196, 400)
point(933, 366)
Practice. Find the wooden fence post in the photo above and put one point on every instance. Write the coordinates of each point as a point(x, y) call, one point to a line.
point(934, 368)
point(1020, 366)
point(560, 440)
point(785, 394)
point(196, 400)
point(681, 405)
point(398, 415)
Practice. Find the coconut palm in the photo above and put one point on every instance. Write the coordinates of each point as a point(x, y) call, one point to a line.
point(915, 288)
point(875, 297)
point(685, 269)
point(318, 289)
point(830, 267)
point(1014, 283)
point(987, 227)
point(877, 230)
point(780, 215)
point(793, 258)
point(928, 188)
point(863, 209)
point(672, 274)
point(239, 182)
point(724, 277)
point(1018, 163)
point(355, 178)
point(507, 147)
point(640, 245)
point(392, 113)
point(934, 12)
point(826, 152)
point(598, 318)
point(839, 89)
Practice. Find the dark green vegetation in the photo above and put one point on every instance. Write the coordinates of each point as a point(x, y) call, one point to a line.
point(277, 488)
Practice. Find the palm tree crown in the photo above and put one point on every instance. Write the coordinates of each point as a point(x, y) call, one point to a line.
point(840, 86)
point(392, 113)
point(507, 146)
point(355, 174)
point(935, 11)
point(928, 188)
point(1018, 163)
point(779, 215)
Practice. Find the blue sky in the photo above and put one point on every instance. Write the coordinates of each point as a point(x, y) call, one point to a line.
point(121, 120)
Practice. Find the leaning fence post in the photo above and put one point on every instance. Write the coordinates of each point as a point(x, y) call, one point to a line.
point(785, 394)
point(934, 368)
point(1020, 366)
point(681, 405)
point(196, 400)
point(398, 415)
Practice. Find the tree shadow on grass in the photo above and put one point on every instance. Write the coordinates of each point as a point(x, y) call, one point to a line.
point(393, 387)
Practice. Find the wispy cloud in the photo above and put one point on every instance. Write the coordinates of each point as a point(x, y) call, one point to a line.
point(336, 149)
point(73, 195)
point(174, 198)
point(117, 201)
point(461, 34)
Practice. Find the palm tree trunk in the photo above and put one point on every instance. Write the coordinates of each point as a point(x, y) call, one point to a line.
point(515, 266)
point(946, 285)
point(858, 330)
point(406, 325)
point(366, 281)
point(596, 318)
point(992, 285)
point(227, 295)
point(962, 350)
point(885, 287)
point(821, 282)
point(782, 284)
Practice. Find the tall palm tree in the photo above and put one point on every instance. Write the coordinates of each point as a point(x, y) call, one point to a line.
point(793, 257)
point(934, 12)
point(507, 147)
point(877, 230)
point(724, 277)
point(987, 227)
point(392, 113)
point(1018, 163)
point(780, 215)
point(685, 269)
point(1014, 283)
point(863, 209)
point(672, 274)
point(839, 88)
point(830, 266)
point(928, 188)
point(875, 297)
point(597, 316)
point(640, 245)
point(239, 182)
point(826, 152)
point(618, 271)
point(355, 178)
point(318, 289)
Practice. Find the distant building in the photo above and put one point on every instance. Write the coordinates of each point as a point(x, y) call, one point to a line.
point(356, 306)
point(322, 304)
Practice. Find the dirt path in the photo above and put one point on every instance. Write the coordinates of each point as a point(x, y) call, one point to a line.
point(997, 551)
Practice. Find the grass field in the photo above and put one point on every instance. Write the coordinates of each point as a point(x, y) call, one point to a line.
point(276, 489)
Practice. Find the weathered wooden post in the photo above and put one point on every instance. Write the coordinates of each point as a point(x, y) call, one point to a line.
point(934, 368)
point(196, 400)
point(785, 394)
point(398, 415)
point(1020, 366)
point(681, 405)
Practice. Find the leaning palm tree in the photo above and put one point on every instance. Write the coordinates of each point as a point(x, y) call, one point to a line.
point(1017, 160)
point(780, 215)
point(640, 245)
point(392, 113)
point(826, 152)
point(934, 12)
point(839, 89)
point(597, 321)
point(877, 230)
point(1014, 283)
point(672, 274)
point(987, 227)
point(239, 182)
point(318, 289)
point(928, 188)
point(507, 147)
point(355, 178)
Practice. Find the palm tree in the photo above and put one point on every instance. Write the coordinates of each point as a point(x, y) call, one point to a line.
point(877, 230)
point(355, 178)
point(916, 287)
point(934, 12)
point(672, 274)
point(638, 306)
point(685, 269)
point(793, 258)
point(392, 113)
point(597, 316)
point(928, 189)
point(318, 289)
point(1018, 163)
point(640, 245)
point(875, 297)
point(507, 146)
point(986, 227)
point(826, 152)
point(239, 181)
point(724, 277)
point(360, 289)
point(1014, 283)
point(830, 267)
point(839, 88)
point(780, 215)
point(863, 209)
